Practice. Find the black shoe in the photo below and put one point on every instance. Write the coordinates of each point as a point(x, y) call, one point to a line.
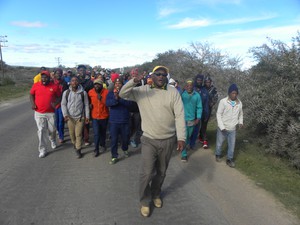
point(230, 163)
point(78, 154)
point(96, 153)
point(184, 159)
point(218, 158)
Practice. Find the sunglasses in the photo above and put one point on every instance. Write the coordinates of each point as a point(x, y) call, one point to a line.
point(160, 74)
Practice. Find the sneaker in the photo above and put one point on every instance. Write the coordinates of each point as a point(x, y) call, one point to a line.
point(157, 202)
point(78, 154)
point(205, 144)
point(126, 153)
point(230, 163)
point(145, 211)
point(53, 144)
point(133, 144)
point(42, 155)
point(87, 143)
point(96, 153)
point(218, 158)
point(102, 149)
point(184, 159)
point(113, 161)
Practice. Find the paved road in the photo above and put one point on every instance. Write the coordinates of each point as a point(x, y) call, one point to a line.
point(61, 189)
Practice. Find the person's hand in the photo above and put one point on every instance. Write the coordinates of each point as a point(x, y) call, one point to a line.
point(196, 121)
point(241, 126)
point(180, 145)
point(66, 118)
point(224, 130)
point(33, 106)
point(53, 105)
point(138, 79)
point(87, 120)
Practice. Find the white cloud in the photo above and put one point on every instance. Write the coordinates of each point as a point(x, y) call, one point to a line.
point(189, 22)
point(36, 24)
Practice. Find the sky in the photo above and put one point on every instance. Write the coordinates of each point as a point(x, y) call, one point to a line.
point(119, 33)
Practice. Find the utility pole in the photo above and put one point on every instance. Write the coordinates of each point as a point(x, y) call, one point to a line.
point(58, 61)
point(2, 39)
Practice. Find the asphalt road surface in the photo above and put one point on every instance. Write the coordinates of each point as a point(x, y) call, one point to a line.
point(61, 189)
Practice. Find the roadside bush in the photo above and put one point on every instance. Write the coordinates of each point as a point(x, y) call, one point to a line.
point(7, 81)
point(272, 96)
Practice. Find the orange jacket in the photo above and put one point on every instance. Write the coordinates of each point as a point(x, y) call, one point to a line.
point(99, 109)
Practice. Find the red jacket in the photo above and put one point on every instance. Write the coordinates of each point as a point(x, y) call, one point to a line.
point(99, 109)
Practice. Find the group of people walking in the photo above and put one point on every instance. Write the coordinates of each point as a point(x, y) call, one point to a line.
point(163, 118)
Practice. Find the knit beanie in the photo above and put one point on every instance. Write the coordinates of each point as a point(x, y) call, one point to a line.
point(232, 88)
point(114, 76)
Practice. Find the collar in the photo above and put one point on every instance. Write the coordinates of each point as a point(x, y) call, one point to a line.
point(162, 88)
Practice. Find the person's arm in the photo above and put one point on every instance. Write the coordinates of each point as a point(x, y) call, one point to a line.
point(241, 116)
point(179, 121)
point(111, 100)
point(126, 91)
point(198, 109)
point(86, 107)
point(32, 101)
point(64, 108)
point(220, 111)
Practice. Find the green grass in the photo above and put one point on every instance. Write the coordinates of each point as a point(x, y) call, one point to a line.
point(8, 92)
point(272, 173)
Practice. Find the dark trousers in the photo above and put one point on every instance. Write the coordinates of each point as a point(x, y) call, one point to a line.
point(116, 129)
point(203, 128)
point(99, 128)
point(195, 135)
point(135, 127)
point(86, 132)
point(155, 158)
point(59, 123)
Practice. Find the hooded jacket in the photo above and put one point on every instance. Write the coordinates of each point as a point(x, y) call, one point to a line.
point(74, 106)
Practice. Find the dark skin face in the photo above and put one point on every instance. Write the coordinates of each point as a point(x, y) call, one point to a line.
point(81, 73)
point(207, 83)
point(74, 83)
point(45, 79)
point(58, 75)
point(199, 82)
point(189, 88)
point(98, 87)
point(233, 95)
point(159, 78)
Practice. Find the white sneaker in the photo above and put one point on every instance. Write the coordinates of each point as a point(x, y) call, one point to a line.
point(53, 144)
point(42, 155)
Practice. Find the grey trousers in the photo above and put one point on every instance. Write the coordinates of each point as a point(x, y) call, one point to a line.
point(155, 159)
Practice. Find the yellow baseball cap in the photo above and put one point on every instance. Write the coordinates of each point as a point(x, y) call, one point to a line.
point(161, 67)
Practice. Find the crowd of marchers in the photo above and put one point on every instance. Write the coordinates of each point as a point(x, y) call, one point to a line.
point(147, 109)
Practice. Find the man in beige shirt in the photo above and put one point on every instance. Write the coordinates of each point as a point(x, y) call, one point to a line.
point(163, 128)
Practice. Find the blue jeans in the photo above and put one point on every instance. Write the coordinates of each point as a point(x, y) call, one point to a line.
point(99, 128)
point(230, 135)
point(59, 123)
point(116, 129)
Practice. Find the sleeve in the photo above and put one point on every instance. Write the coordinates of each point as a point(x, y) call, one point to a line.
point(220, 114)
point(110, 99)
point(64, 104)
point(86, 105)
point(179, 118)
point(241, 115)
point(199, 107)
point(126, 91)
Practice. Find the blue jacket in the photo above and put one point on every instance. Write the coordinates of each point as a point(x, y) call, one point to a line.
point(118, 109)
point(205, 101)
